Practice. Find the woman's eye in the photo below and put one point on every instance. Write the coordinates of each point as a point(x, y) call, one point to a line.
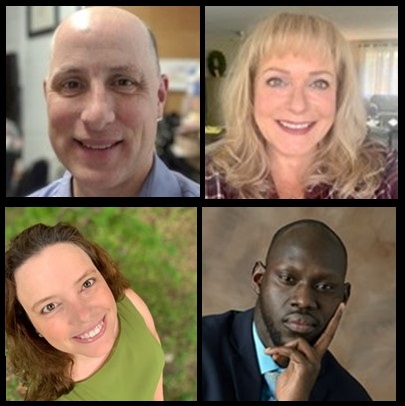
point(89, 283)
point(276, 82)
point(320, 84)
point(49, 308)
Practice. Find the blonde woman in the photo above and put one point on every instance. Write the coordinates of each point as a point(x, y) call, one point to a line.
point(295, 123)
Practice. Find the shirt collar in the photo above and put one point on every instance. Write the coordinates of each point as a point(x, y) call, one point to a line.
point(266, 363)
point(159, 182)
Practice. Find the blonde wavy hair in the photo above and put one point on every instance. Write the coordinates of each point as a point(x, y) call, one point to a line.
point(346, 159)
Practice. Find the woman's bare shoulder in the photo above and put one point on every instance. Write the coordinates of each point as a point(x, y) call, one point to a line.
point(143, 309)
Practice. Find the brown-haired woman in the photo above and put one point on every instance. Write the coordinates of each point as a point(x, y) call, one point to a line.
point(74, 328)
point(294, 120)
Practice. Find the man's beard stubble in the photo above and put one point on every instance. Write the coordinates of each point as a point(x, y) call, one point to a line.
point(274, 334)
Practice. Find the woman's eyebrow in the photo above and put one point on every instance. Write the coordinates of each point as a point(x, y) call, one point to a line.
point(321, 72)
point(45, 299)
point(287, 72)
point(85, 275)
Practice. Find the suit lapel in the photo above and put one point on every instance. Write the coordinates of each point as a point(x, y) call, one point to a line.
point(246, 377)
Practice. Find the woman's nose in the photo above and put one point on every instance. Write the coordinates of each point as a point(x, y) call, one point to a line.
point(98, 110)
point(80, 313)
point(298, 102)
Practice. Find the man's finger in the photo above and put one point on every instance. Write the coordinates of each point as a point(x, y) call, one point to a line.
point(325, 339)
point(279, 359)
point(292, 354)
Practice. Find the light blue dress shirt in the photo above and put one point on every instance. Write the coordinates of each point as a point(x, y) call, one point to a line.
point(266, 364)
point(161, 182)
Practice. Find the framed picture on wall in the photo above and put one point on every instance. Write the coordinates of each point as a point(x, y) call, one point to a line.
point(41, 19)
point(179, 72)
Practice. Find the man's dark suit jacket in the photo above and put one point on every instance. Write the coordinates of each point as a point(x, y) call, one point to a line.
point(230, 369)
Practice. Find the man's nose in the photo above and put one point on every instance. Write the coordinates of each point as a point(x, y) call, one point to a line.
point(98, 111)
point(303, 297)
point(298, 102)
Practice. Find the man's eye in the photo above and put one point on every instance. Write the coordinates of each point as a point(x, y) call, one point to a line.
point(286, 278)
point(71, 85)
point(125, 82)
point(324, 287)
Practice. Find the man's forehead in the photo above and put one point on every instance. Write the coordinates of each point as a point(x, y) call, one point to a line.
point(299, 234)
point(99, 41)
point(112, 54)
point(302, 232)
point(302, 244)
point(88, 66)
point(104, 19)
point(309, 240)
point(98, 33)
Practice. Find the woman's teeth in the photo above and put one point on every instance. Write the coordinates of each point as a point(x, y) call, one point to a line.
point(93, 332)
point(295, 126)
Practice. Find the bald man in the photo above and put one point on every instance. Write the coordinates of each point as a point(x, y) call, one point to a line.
point(105, 96)
point(279, 349)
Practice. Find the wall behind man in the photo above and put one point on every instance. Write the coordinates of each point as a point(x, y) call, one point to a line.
point(33, 57)
point(234, 238)
point(177, 31)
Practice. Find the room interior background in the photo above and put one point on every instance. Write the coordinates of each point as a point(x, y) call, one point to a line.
point(29, 30)
point(371, 30)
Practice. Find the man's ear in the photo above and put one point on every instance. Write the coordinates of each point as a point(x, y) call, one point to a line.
point(258, 272)
point(162, 95)
point(44, 83)
point(346, 293)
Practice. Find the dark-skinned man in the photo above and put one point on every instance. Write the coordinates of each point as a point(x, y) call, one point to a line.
point(279, 349)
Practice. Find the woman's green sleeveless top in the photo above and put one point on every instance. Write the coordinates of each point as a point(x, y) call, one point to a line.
point(133, 368)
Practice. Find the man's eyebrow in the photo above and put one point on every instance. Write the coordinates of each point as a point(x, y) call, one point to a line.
point(45, 299)
point(324, 273)
point(287, 72)
point(70, 69)
point(67, 69)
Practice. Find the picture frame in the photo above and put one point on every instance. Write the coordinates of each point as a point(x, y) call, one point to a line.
point(179, 71)
point(41, 19)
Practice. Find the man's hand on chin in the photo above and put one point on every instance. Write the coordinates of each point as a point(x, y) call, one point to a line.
point(302, 362)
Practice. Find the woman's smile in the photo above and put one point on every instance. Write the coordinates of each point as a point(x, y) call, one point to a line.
point(93, 334)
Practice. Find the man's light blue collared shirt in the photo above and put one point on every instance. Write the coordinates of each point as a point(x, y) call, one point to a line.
point(161, 182)
point(266, 363)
